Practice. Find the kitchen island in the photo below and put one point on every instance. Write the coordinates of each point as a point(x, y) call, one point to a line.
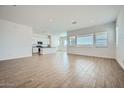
point(44, 50)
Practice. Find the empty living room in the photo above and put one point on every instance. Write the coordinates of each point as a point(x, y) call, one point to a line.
point(61, 46)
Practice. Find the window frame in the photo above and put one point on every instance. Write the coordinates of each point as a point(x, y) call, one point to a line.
point(95, 40)
point(64, 42)
point(85, 35)
point(69, 41)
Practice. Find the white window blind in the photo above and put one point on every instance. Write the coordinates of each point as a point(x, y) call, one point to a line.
point(72, 41)
point(101, 39)
point(85, 40)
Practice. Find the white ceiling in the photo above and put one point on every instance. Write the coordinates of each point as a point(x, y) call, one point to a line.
point(58, 19)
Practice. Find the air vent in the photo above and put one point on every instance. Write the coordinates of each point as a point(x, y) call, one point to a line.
point(74, 22)
point(14, 5)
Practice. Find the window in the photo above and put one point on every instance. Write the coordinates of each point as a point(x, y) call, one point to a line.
point(101, 39)
point(97, 39)
point(65, 42)
point(72, 41)
point(85, 40)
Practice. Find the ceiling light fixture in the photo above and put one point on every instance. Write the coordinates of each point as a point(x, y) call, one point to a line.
point(50, 20)
point(91, 21)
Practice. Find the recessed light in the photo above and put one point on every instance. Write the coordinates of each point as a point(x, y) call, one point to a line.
point(91, 21)
point(50, 20)
point(77, 16)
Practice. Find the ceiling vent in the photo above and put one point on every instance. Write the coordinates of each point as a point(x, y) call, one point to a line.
point(74, 22)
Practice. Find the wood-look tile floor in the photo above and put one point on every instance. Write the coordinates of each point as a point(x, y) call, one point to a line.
point(61, 71)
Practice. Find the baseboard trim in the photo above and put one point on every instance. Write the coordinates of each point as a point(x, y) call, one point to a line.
point(120, 64)
point(15, 58)
point(92, 56)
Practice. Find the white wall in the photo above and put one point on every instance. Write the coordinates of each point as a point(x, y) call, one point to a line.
point(61, 43)
point(108, 52)
point(15, 40)
point(120, 38)
point(54, 41)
